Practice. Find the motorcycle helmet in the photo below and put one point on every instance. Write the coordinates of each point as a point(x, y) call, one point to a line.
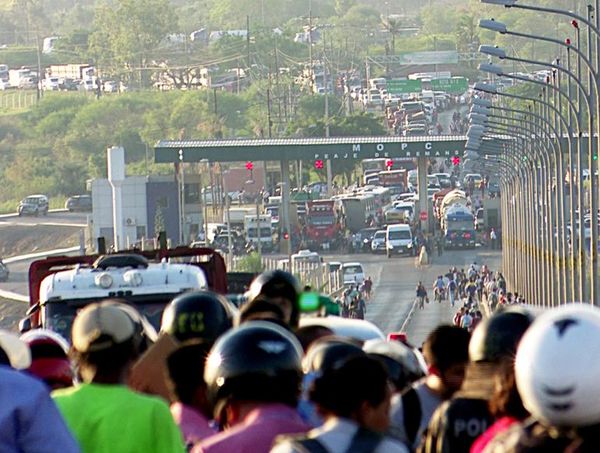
point(557, 369)
point(49, 358)
point(197, 314)
point(258, 361)
point(278, 284)
point(497, 337)
point(329, 353)
point(401, 362)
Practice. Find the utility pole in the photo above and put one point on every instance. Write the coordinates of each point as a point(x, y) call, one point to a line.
point(248, 40)
point(39, 67)
point(329, 174)
point(310, 53)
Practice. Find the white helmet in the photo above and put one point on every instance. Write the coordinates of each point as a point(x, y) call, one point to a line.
point(557, 368)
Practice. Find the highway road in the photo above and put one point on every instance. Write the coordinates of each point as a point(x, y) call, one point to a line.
point(394, 286)
point(54, 218)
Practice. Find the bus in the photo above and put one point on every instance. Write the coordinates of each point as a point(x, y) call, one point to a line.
point(373, 165)
point(356, 211)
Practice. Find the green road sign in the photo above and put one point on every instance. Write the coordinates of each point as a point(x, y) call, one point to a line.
point(398, 86)
point(455, 85)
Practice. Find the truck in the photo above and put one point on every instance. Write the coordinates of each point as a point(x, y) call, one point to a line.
point(21, 77)
point(457, 221)
point(148, 280)
point(78, 71)
point(322, 229)
point(259, 229)
point(395, 180)
point(237, 216)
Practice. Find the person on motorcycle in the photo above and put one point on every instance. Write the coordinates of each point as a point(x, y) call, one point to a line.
point(438, 288)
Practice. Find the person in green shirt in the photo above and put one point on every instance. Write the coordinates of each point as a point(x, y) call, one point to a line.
point(102, 412)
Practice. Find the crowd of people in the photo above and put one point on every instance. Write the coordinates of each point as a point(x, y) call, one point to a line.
point(219, 380)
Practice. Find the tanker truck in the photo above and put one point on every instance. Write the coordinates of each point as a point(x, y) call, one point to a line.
point(456, 221)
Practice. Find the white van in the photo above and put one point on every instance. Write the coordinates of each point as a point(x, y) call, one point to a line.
point(354, 273)
point(399, 240)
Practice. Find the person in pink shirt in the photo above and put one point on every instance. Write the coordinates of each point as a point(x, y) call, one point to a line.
point(505, 405)
point(190, 409)
point(253, 374)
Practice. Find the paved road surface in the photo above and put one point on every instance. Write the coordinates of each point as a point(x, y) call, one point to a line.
point(59, 218)
point(394, 288)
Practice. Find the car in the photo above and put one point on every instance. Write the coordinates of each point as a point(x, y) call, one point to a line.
point(4, 85)
point(476, 178)
point(3, 272)
point(353, 273)
point(33, 205)
point(359, 329)
point(365, 236)
point(110, 86)
point(334, 266)
point(378, 242)
point(494, 188)
point(399, 240)
point(87, 85)
point(81, 203)
point(68, 85)
point(479, 219)
point(51, 84)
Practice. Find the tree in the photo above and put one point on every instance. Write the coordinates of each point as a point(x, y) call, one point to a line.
point(393, 25)
point(127, 34)
point(467, 34)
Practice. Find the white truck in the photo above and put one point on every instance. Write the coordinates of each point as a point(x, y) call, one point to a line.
point(237, 216)
point(259, 228)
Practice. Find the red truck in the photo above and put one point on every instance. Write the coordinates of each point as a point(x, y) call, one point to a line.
point(322, 229)
point(394, 179)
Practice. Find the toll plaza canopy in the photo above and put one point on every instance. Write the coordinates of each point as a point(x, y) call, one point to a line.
point(308, 149)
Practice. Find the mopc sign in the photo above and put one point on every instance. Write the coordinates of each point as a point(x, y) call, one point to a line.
point(309, 149)
point(359, 151)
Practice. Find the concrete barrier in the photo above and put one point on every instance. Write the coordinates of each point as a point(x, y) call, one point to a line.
point(31, 256)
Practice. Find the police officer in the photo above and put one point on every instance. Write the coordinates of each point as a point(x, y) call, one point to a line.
point(281, 288)
point(253, 374)
point(557, 373)
point(458, 422)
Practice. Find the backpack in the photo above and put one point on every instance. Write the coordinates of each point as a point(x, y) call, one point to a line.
point(364, 441)
point(411, 409)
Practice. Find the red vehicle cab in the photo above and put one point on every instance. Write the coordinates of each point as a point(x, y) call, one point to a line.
point(322, 229)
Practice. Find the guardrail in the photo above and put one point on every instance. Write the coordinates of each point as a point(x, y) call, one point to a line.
point(315, 275)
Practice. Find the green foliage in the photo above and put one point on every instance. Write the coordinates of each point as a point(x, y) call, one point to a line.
point(250, 263)
point(126, 34)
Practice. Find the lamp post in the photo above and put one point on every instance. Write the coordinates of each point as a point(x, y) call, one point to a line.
point(595, 29)
point(592, 282)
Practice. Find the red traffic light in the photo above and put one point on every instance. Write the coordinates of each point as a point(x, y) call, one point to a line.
point(389, 163)
point(319, 164)
point(456, 161)
point(249, 166)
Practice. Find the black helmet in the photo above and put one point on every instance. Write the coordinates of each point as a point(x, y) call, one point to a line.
point(330, 353)
point(498, 337)
point(278, 284)
point(258, 361)
point(402, 363)
point(197, 314)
